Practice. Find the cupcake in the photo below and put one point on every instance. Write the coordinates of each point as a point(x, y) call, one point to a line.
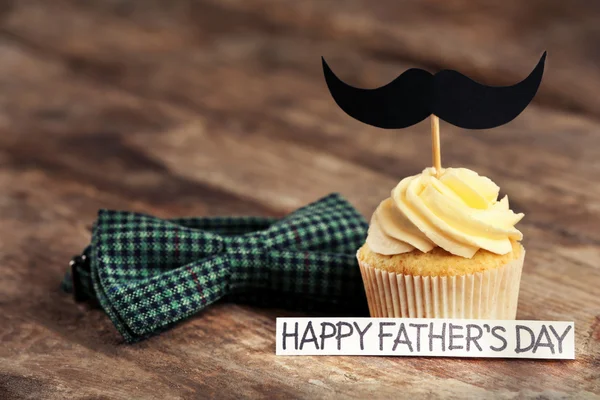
point(443, 246)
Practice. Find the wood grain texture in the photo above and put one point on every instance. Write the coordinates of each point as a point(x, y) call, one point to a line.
point(218, 107)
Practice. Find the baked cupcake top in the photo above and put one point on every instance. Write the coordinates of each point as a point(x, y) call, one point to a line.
point(458, 211)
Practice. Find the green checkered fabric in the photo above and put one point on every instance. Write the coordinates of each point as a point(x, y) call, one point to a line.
point(148, 273)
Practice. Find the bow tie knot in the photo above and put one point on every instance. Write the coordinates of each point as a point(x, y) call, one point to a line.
point(147, 273)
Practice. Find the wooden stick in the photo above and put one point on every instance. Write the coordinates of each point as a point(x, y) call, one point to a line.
point(435, 145)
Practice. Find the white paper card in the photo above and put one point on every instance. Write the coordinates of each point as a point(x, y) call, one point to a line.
point(425, 337)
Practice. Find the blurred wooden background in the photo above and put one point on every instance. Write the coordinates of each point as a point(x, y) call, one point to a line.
point(219, 107)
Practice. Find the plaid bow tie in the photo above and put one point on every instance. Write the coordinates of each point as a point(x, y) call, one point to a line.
point(147, 273)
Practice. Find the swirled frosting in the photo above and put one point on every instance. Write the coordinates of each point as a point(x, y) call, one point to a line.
point(459, 212)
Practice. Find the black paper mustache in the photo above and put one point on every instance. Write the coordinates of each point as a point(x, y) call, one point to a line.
point(453, 97)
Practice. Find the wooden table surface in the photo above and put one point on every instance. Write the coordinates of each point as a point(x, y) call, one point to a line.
point(219, 107)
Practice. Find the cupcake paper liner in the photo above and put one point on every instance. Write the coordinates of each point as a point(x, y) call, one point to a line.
point(491, 294)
